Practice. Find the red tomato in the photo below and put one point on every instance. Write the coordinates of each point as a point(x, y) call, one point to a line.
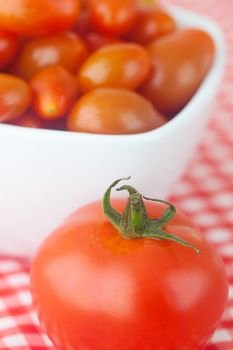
point(28, 120)
point(83, 24)
point(151, 24)
point(15, 97)
point(66, 49)
point(54, 90)
point(38, 17)
point(113, 17)
point(180, 62)
point(118, 65)
point(113, 111)
point(8, 47)
point(94, 289)
point(96, 41)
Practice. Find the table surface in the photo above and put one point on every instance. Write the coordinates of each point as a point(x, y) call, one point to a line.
point(205, 193)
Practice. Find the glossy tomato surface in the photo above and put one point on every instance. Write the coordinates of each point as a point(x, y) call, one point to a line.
point(15, 97)
point(113, 111)
point(9, 45)
point(66, 49)
point(38, 17)
point(118, 65)
point(113, 17)
point(151, 24)
point(95, 290)
point(180, 61)
point(54, 90)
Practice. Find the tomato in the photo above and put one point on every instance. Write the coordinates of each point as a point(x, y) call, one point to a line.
point(96, 41)
point(118, 65)
point(66, 49)
point(113, 17)
point(83, 24)
point(113, 111)
point(54, 90)
point(95, 289)
point(38, 17)
point(28, 120)
point(9, 44)
point(15, 97)
point(151, 24)
point(180, 62)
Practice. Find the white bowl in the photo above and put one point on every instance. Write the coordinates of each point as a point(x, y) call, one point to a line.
point(46, 174)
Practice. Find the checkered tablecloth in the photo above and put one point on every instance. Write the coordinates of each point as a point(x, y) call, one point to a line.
point(205, 193)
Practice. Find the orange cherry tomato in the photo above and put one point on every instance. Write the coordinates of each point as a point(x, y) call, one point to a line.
point(151, 24)
point(96, 41)
point(113, 17)
point(15, 97)
point(180, 61)
point(66, 49)
point(118, 65)
point(28, 120)
point(38, 17)
point(9, 45)
point(113, 111)
point(54, 90)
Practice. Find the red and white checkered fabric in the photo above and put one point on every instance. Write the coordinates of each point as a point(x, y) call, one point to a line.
point(205, 194)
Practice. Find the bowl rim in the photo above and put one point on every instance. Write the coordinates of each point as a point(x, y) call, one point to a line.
point(212, 78)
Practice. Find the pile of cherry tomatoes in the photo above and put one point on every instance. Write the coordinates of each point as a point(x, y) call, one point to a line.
point(97, 66)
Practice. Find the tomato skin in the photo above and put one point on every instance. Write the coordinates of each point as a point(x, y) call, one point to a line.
point(54, 90)
point(94, 289)
point(15, 97)
point(9, 45)
point(28, 120)
point(96, 41)
point(113, 111)
point(66, 49)
point(113, 17)
point(176, 77)
point(117, 65)
point(151, 24)
point(38, 17)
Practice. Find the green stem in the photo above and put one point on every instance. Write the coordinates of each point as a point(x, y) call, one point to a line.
point(134, 221)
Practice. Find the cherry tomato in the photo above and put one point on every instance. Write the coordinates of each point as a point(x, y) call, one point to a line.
point(96, 41)
point(54, 90)
point(66, 49)
point(113, 111)
point(9, 44)
point(118, 65)
point(180, 62)
point(151, 24)
point(83, 24)
point(28, 120)
point(113, 17)
point(38, 17)
point(15, 97)
point(94, 289)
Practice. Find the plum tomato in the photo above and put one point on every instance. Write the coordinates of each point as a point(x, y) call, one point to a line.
point(180, 61)
point(28, 120)
point(96, 40)
point(38, 17)
point(125, 281)
point(113, 17)
point(117, 65)
point(9, 44)
point(66, 49)
point(151, 24)
point(54, 90)
point(113, 111)
point(15, 97)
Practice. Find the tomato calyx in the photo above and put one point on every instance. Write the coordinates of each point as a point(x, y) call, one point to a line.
point(134, 222)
